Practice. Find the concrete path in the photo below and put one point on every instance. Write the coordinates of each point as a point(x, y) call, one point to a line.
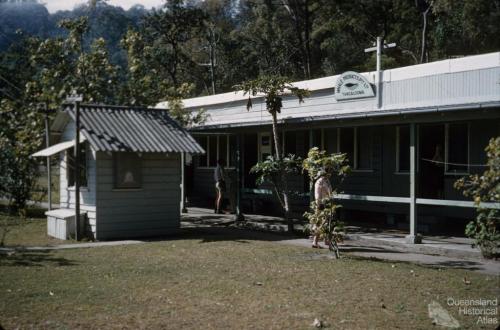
point(392, 255)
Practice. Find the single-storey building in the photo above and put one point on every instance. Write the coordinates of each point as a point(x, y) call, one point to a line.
point(130, 171)
point(409, 134)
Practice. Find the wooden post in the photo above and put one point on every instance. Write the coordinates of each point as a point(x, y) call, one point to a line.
point(49, 177)
point(43, 107)
point(183, 183)
point(76, 99)
point(239, 215)
point(413, 238)
point(77, 171)
point(379, 72)
point(311, 183)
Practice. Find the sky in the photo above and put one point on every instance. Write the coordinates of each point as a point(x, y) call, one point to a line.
point(55, 5)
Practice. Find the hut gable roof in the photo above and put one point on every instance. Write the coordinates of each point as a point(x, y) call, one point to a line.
point(113, 128)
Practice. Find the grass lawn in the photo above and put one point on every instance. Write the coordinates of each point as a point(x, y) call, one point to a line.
point(209, 280)
point(31, 231)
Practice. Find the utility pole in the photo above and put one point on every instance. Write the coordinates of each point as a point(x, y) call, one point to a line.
point(378, 49)
point(43, 108)
point(212, 43)
point(76, 99)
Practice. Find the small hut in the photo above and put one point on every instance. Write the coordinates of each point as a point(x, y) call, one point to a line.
point(130, 172)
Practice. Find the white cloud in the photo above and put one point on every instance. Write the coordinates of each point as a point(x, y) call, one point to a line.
point(55, 5)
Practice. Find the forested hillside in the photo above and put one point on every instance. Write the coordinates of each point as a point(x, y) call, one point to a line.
point(242, 38)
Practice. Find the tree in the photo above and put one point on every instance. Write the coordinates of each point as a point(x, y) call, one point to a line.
point(274, 88)
point(20, 127)
point(485, 188)
point(51, 68)
point(63, 65)
point(158, 54)
point(176, 107)
point(267, 40)
point(277, 171)
point(20, 136)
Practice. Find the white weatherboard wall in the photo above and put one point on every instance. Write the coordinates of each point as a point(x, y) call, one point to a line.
point(454, 82)
point(149, 211)
point(88, 193)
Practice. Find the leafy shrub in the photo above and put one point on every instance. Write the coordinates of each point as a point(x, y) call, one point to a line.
point(336, 168)
point(485, 188)
point(277, 172)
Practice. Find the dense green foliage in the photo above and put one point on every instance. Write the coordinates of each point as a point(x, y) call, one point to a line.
point(485, 188)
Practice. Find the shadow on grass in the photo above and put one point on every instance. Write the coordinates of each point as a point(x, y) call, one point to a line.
point(33, 259)
point(451, 264)
point(460, 264)
point(210, 234)
point(359, 248)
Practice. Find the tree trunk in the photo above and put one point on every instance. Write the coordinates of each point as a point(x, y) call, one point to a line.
point(307, 29)
point(277, 149)
point(424, 35)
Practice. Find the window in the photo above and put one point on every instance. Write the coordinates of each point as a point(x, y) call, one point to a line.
point(202, 159)
point(402, 149)
point(317, 138)
point(290, 143)
point(457, 148)
point(357, 144)
point(265, 146)
point(127, 170)
point(217, 147)
point(346, 143)
point(363, 159)
point(71, 171)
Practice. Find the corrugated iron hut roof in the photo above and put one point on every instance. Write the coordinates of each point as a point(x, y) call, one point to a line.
point(117, 128)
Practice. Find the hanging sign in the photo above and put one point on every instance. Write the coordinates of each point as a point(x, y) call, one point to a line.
point(351, 85)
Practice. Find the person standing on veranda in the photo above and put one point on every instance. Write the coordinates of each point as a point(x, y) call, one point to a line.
point(322, 191)
point(220, 184)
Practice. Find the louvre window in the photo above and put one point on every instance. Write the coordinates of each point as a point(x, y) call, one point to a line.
point(71, 170)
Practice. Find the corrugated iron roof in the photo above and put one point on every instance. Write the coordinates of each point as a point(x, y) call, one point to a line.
point(113, 128)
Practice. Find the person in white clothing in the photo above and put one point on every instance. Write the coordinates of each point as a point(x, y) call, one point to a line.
point(220, 184)
point(322, 191)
